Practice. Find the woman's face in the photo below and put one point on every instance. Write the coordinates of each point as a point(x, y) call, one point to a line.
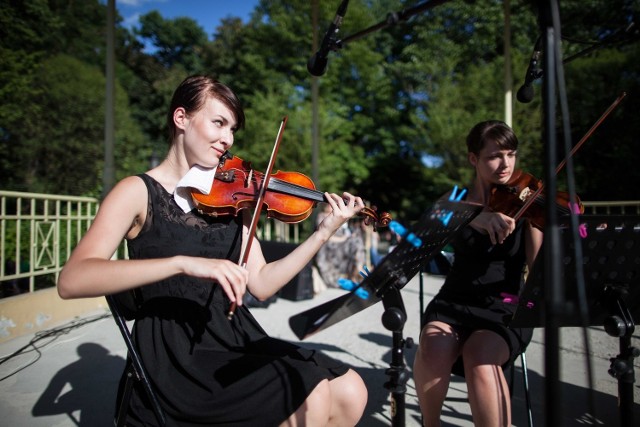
point(208, 133)
point(493, 164)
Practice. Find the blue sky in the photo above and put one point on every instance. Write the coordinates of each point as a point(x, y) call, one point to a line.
point(207, 13)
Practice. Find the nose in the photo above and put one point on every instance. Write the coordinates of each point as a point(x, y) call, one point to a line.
point(227, 137)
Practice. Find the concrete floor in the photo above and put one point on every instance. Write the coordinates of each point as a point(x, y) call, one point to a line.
point(67, 376)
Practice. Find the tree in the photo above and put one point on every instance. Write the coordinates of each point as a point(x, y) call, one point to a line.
point(176, 41)
point(63, 147)
point(395, 105)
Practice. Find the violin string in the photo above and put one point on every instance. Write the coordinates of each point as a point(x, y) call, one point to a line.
point(540, 201)
point(309, 194)
point(295, 190)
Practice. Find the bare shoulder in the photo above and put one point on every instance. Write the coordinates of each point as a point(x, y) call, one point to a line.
point(128, 191)
point(121, 213)
point(126, 204)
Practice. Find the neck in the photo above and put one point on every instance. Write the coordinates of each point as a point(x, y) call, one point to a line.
point(170, 170)
point(480, 192)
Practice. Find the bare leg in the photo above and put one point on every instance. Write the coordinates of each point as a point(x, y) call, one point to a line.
point(315, 409)
point(348, 399)
point(339, 402)
point(438, 350)
point(483, 354)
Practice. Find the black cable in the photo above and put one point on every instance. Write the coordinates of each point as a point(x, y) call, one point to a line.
point(54, 334)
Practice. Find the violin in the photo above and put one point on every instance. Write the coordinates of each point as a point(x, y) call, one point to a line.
point(523, 196)
point(524, 190)
point(290, 196)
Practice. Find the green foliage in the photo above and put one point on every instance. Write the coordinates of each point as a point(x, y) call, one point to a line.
point(177, 41)
point(394, 106)
point(65, 158)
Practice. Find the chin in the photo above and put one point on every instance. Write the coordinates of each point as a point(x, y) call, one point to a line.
point(503, 181)
point(210, 163)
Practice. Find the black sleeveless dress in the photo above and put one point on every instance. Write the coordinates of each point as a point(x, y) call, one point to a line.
point(206, 369)
point(471, 297)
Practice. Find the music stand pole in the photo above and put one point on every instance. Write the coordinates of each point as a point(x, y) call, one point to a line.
point(393, 319)
point(620, 324)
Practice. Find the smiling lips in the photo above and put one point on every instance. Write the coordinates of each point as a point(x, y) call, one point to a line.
point(503, 175)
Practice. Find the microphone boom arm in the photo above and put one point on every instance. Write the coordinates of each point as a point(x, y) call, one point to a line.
point(393, 18)
point(318, 62)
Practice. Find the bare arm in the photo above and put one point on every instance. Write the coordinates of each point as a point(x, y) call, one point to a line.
point(497, 225)
point(533, 243)
point(265, 279)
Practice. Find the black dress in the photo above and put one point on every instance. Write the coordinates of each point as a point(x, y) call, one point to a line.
point(206, 369)
point(472, 296)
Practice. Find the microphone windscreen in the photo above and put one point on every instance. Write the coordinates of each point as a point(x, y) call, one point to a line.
point(525, 94)
point(317, 66)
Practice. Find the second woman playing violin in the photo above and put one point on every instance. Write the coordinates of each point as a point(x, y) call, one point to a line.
point(207, 369)
point(465, 327)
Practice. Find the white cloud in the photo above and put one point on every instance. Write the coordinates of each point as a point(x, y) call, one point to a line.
point(135, 3)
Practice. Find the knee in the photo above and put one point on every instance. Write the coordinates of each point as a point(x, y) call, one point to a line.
point(481, 369)
point(349, 397)
point(316, 408)
point(433, 359)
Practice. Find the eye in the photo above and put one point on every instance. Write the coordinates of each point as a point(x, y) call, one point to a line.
point(218, 123)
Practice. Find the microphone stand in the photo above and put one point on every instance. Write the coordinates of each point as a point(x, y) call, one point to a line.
point(554, 288)
point(538, 73)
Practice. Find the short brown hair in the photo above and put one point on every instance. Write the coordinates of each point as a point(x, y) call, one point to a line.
point(494, 130)
point(192, 94)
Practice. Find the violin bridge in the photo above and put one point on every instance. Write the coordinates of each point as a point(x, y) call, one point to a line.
point(525, 194)
point(249, 177)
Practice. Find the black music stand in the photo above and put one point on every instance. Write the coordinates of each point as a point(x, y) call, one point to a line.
point(611, 270)
point(437, 226)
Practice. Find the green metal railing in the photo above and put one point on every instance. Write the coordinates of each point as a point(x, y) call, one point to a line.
point(39, 231)
point(37, 234)
point(612, 208)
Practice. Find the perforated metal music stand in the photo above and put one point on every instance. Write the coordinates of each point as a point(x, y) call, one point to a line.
point(436, 227)
point(611, 268)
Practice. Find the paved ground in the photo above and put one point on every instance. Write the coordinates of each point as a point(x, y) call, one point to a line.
point(68, 376)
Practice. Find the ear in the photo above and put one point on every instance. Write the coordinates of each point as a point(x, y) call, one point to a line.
point(473, 159)
point(180, 118)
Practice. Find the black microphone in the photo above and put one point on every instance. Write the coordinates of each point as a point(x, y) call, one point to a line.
point(317, 64)
point(525, 93)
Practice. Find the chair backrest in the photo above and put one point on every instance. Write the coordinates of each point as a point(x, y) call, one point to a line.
point(124, 307)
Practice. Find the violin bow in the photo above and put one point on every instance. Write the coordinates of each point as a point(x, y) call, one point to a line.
point(244, 255)
point(586, 136)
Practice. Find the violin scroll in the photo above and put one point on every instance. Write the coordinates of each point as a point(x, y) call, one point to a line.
point(371, 217)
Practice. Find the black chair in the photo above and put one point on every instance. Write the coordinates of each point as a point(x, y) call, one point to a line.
point(123, 308)
point(525, 383)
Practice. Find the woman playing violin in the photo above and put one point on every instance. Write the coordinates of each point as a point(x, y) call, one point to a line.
point(465, 327)
point(206, 368)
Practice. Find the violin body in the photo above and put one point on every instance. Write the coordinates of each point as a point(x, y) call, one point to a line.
point(290, 196)
point(523, 195)
point(236, 186)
